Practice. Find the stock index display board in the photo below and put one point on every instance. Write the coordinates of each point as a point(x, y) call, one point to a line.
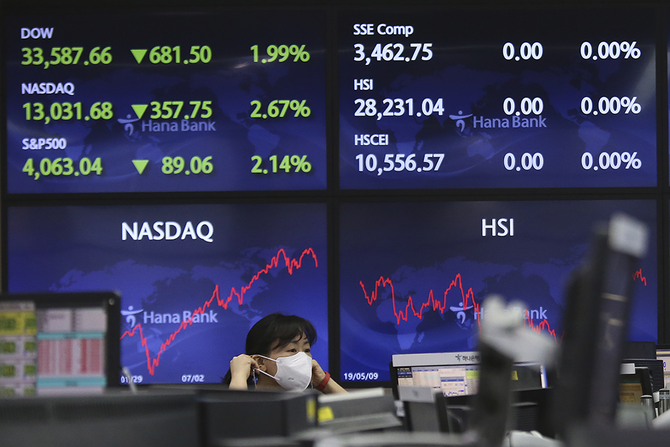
point(497, 98)
point(379, 129)
point(165, 102)
point(233, 101)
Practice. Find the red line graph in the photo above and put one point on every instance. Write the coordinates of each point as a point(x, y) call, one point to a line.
point(289, 263)
point(465, 297)
point(430, 303)
point(638, 275)
point(543, 325)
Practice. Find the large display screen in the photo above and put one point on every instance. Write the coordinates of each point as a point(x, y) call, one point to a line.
point(165, 102)
point(497, 98)
point(193, 278)
point(219, 161)
point(414, 274)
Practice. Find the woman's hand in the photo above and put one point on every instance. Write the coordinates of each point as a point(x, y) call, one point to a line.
point(240, 370)
point(318, 376)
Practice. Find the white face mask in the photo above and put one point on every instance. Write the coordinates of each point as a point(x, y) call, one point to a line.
point(294, 373)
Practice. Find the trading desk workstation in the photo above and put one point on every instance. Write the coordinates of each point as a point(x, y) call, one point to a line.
point(470, 201)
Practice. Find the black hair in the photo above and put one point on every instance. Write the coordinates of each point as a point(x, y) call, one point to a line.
point(278, 329)
point(275, 331)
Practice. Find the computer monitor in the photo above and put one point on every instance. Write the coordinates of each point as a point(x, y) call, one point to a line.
point(654, 370)
point(58, 343)
point(639, 350)
point(634, 383)
point(456, 373)
point(227, 414)
point(359, 411)
point(426, 410)
point(663, 353)
point(596, 322)
point(115, 418)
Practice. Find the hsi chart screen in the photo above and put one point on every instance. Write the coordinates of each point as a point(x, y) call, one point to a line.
point(414, 275)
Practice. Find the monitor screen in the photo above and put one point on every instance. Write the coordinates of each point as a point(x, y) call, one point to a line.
point(414, 274)
point(109, 420)
point(376, 168)
point(663, 353)
point(634, 385)
point(204, 101)
point(456, 373)
point(58, 343)
point(193, 279)
point(497, 98)
point(452, 380)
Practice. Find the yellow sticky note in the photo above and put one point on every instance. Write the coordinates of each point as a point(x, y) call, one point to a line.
point(326, 414)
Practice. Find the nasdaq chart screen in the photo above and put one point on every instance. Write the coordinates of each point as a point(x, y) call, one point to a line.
point(497, 98)
point(193, 278)
point(414, 275)
point(165, 102)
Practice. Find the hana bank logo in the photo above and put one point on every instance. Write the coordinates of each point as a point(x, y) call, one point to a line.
point(128, 126)
point(462, 318)
point(514, 121)
point(130, 315)
point(460, 120)
point(471, 358)
point(157, 318)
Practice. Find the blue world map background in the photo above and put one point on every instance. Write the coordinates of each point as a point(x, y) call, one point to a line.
point(472, 78)
point(424, 247)
point(230, 81)
point(81, 248)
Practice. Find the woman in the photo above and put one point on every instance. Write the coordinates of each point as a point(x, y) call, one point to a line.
point(278, 355)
